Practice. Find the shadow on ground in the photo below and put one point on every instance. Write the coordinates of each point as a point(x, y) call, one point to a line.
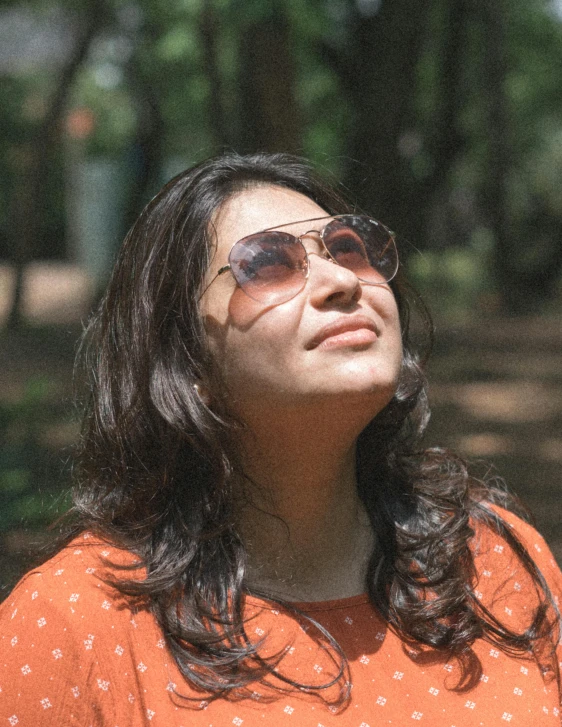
point(496, 395)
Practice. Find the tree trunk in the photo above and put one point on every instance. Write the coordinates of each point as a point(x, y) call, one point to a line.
point(147, 146)
point(208, 33)
point(27, 204)
point(269, 115)
point(495, 198)
point(380, 78)
point(527, 253)
point(446, 142)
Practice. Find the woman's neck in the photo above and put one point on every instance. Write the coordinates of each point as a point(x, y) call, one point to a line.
point(306, 531)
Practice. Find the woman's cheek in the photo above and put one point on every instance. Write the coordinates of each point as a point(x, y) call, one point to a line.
point(242, 310)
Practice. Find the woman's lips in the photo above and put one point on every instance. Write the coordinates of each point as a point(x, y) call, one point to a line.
point(356, 331)
point(359, 337)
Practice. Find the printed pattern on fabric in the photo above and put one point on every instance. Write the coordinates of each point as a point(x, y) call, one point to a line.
point(73, 653)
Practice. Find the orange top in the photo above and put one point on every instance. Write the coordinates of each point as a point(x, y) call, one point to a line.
point(71, 654)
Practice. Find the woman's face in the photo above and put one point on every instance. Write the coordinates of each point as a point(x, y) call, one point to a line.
point(279, 356)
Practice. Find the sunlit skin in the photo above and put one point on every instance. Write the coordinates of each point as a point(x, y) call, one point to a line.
point(303, 404)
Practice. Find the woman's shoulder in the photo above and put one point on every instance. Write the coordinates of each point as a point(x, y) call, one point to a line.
point(488, 539)
point(62, 630)
point(73, 586)
point(82, 565)
point(505, 571)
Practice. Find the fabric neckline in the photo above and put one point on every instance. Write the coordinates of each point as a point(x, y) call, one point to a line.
point(310, 606)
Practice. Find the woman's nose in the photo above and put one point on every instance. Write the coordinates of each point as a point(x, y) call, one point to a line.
point(329, 282)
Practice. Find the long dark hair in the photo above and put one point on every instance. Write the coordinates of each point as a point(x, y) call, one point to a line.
point(156, 465)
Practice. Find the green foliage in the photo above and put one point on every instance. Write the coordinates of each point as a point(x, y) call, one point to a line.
point(455, 279)
point(154, 55)
point(31, 476)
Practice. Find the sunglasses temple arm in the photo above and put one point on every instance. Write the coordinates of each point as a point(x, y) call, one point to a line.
point(220, 272)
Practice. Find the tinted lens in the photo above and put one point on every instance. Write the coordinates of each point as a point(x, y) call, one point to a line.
point(270, 267)
point(364, 246)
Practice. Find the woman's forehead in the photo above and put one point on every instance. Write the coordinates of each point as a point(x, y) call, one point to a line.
point(262, 208)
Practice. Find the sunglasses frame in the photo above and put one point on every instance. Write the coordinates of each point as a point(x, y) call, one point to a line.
point(298, 238)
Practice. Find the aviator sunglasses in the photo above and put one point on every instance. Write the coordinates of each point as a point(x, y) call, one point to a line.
point(272, 266)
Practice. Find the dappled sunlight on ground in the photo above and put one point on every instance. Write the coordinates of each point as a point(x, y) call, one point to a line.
point(485, 444)
point(503, 401)
point(551, 449)
point(496, 395)
point(53, 293)
point(490, 444)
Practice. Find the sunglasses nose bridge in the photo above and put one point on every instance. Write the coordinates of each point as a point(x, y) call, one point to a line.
point(319, 235)
point(324, 255)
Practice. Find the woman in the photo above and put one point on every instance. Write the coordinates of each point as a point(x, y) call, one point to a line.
point(259, 538)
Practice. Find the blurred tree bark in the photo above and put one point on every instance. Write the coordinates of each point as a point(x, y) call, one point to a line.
point(445, 142)
point(146, 152)
point(147, 145)
point(495, 196)
point(269, 114)
point(377, 68)
point(208, 33)
point(35, 156)
point(527, 253)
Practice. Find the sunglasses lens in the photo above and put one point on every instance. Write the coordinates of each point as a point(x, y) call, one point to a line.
point(364, 246)
point(270, 267)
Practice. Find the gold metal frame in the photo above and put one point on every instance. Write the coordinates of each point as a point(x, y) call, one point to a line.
point(298, 238)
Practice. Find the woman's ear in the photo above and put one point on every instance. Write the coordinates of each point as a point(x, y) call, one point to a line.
point(203, 393)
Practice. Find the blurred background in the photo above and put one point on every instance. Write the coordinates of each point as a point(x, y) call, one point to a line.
point(443, 119)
